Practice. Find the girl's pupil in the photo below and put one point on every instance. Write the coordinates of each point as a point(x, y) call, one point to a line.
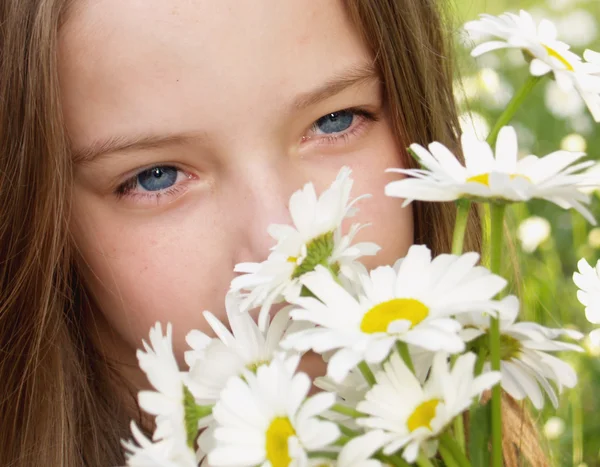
point(157, 178)
point(335, 122)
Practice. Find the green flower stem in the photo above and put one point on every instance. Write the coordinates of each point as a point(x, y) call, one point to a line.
point(367, 373)
point(497, 214)
point(348, 411)
point(323, 455)
point(463, 206)
point(402, 349)
point(512, 108)
point(452, 448)
point(459, 432)
point(193, 413)
point(394, 459)
point(342, 440)
point(423, 461)
point(481, 358)
point(348, 431)
point(447, 457)
point(577, 426)
point(460, 225)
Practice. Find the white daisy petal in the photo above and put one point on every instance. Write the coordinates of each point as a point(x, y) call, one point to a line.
point(527, 369)
point(588, 282)
point(410, 302)
point(256, 424)
point(314, 238)
point(548, 55)
point(410, 415)
point(556, 177)
point(170, 446)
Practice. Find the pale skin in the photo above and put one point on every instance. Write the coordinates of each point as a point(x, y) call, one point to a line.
point(220, 102)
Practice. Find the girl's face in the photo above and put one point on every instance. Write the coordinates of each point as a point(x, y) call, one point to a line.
point(192, 122)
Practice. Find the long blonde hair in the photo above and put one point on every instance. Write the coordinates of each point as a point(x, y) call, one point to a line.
point(56, 403)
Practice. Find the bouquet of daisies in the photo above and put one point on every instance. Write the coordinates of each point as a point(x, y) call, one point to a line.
point(412, 349)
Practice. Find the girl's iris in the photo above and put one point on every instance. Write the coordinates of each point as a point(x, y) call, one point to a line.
point(157, 178)
point(335, 122)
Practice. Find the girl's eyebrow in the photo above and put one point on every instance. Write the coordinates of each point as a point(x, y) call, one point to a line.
point(352, 76)
point(116, 144)
point(355, 75)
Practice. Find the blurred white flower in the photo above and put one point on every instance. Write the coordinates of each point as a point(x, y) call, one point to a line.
point(554, 428)
point(578, 28)
point(474, 124)
point(527, 368)
point(464, 89)
point(532, 232)
point(555, 177)
point(562, 103)
point(591, 347)
point(560, 4)
point(582, 124)
point(413, 415)
point(413, 304)
point(315, 238)
point(548, 55)
point(594, 238)
point(214, 360)
point(573, 142)
point(495, 91)
point(527, 139)
point(486, 86)
point(265, 419)
point(166, 403)
point(588, 282)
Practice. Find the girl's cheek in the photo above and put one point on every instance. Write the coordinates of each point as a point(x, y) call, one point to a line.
point(140, 273)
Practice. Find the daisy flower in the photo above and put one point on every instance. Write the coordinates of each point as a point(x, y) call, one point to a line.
point(412, 304)
point(588, 282)
point(213, 361)
point(547, 53)
point(265, 419)
point(167, 403)
point(413, 415)
point(314, 238)
point(502, 176)
point(593, 58)
point(142, 452)
point(526, 366)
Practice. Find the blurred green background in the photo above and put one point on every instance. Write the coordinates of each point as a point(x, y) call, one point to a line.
point(547, 240)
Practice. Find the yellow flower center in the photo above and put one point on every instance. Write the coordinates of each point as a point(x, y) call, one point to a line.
point(484, 179)
point(253, 367)
point(278, 434)
point(423, 415)
point(559, 57)
point(381, 315)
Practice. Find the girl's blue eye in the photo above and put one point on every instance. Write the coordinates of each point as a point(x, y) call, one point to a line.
point(157, 178)
point(335, 122)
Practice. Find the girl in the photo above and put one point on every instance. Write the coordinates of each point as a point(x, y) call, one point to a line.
point(146, 146)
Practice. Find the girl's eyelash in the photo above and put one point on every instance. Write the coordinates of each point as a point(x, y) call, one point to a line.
point(122, 192)
point(126, 189)
point(366, 117)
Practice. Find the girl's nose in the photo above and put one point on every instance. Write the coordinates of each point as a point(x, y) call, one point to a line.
point(259, 195)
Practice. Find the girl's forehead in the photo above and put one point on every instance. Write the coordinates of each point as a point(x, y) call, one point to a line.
point(139, 65)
